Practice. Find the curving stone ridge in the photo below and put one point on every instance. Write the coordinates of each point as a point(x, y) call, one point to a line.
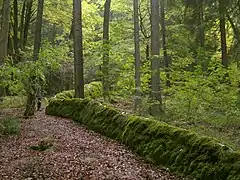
point(180, 150)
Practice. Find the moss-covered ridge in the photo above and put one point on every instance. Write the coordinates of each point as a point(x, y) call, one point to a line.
point(92, 90)
point(180, 150)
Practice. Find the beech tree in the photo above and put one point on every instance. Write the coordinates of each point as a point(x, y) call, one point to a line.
point(4, 29)
point(106, 49)
point(78, 48)
point(156, 97)
point(137, 56)
point(222, 17)
point(34, 87)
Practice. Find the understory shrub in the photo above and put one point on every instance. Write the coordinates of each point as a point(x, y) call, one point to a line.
point(9, 126)
point(13, 102)
point(178, 149)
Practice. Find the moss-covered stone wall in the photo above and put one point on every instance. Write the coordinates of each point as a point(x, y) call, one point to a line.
point(92, 90)
point(180, 150)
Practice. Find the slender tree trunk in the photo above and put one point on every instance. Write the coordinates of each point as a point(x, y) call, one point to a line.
point(105, 67)
point(32, 92)
point(15, 30)
point(38, 30)
point(137, 100)
point(156, 97)
point(78, 48)
point(164, 42)
point(4, 29)
point(22, 25)
point(27, 20)
point(201, 23)
point(222, 12)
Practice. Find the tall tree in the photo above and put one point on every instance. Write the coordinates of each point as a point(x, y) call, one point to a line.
point(164, 42)
point(201, 22)
point(38, 30)
point(222, 13)
point(78, 48)
point(105, 67)
point(27, 20)
point(156, 97)
point(137, 101)
point(4, 29)
point(15, 30)
point(34, 87)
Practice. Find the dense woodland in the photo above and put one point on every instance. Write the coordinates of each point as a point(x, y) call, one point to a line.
point(177, 60)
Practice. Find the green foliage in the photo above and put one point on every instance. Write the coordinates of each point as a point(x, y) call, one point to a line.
point(92, 90)
point(9, 126)
point(43, 145)
point(13, 102)
point(180, 150)
point(28, 76)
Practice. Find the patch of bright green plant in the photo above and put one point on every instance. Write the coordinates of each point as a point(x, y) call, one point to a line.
point(13, 102)
point(43, 145)
point(9, 126)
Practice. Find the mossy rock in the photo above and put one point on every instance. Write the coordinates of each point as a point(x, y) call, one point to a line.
point(180, 150)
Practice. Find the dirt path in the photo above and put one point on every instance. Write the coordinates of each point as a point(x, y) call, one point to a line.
point(77, 153)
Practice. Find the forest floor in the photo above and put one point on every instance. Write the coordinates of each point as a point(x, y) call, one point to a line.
point(73, 153)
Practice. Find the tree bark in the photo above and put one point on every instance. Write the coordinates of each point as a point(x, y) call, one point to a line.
point(22, 25)
point(164, 42)
point(222, 11)
point(78, 49)
point(156, 97)
point(4, 29)
point(27, 20)
point(137, 99)
point(34, 86)
point(38, 30)
point(15, 31)
point(105, 67)
point(201, 23)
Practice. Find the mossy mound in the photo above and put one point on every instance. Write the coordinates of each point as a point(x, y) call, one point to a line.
point(92, 90)
point(180, 150)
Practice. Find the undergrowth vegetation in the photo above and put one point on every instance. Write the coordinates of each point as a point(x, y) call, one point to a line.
point(13, 102)
point(9, 126)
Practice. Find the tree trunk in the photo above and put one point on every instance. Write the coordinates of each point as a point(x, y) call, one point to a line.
point(27, 20)
point(78, 49)
point(38, 29)
point(32, 92)
point(105, 67)
point(22, 25)
point(137, 100)
point(4, 29)
point(156, 97)
point(15, 31)
point(201, 23)
point(164, 43)
point(222, 11)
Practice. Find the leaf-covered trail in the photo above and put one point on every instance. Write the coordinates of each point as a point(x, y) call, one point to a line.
point(77, 153)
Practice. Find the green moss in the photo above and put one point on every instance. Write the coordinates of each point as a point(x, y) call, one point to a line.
point(92, 90)
point(180, 150)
